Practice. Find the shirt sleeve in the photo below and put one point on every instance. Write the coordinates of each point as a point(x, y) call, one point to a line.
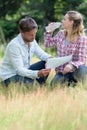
point(17, 62)
point(40, 53)
point(50, 40)
point(81, 53)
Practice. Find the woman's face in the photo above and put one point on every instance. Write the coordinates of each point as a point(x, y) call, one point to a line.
point(66, 23)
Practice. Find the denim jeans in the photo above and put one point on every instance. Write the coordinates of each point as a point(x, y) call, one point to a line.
point(71, 77)
point(17, 78)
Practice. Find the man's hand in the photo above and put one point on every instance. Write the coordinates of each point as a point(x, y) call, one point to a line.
point(43, 72)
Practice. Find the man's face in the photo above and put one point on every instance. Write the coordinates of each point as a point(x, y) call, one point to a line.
point(29, 36)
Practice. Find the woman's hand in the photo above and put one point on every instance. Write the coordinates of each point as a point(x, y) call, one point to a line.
point(50, 28)
point(68, 68)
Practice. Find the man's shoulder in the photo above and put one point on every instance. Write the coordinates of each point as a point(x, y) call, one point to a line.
point(14, 42)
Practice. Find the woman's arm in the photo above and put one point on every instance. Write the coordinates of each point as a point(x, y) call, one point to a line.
point(50, 40)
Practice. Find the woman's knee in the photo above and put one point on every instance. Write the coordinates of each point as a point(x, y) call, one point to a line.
point(57, 78)
point(81, 72)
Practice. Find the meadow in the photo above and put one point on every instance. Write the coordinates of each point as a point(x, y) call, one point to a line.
point(42, 107)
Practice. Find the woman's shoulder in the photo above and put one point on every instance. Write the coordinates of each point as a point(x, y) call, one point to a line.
point(82, 40)
point(61, 33)
point(83, 37)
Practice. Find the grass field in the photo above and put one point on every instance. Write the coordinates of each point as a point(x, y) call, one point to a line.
point(43, 108)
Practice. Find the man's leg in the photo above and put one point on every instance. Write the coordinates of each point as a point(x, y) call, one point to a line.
point(13, 79)
point(38, 66)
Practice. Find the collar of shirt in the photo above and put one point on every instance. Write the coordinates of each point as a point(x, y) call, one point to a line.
point(21, 41)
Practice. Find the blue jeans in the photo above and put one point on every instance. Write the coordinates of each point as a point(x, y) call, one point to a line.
point(17, 78)
point(71, 77)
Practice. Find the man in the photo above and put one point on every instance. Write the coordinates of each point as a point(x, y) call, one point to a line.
point(16, 62)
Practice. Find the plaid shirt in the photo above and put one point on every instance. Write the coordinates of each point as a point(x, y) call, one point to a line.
point(77, 49)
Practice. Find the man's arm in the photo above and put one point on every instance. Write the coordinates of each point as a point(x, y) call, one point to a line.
point(40, 53)
point(17, 62)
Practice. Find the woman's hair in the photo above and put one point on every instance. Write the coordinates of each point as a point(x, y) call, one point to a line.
point(27, 24)
point(78, 27)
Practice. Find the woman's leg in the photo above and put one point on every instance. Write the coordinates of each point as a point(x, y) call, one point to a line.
point(78, 75)
point(81, 73)
point(69, 78)
point(58, 77)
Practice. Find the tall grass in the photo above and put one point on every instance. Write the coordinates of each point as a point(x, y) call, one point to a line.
point(42, 108)
point(2, 50)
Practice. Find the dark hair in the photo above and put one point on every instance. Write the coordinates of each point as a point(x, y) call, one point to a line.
point(27, 24)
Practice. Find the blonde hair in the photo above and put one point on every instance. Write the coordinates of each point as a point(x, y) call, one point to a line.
point(78, 27)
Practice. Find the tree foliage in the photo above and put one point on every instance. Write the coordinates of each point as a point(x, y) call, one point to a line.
point(9, 7)
point(43, 11)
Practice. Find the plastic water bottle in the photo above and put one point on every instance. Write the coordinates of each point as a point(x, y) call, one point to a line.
point(51, 27)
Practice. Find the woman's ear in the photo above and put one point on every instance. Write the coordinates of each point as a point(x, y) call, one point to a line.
point(72, 22)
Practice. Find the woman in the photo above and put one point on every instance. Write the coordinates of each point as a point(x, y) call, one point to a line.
point(70, 40)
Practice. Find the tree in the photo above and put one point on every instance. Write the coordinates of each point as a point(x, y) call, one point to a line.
point(43, 11)
point(9, 7)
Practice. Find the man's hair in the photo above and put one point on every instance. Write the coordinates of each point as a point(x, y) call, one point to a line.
point(27, 24)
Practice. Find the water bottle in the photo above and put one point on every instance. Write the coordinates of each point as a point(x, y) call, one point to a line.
point(51, 27)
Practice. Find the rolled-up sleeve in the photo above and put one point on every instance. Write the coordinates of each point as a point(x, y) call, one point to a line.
point(50, 40)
